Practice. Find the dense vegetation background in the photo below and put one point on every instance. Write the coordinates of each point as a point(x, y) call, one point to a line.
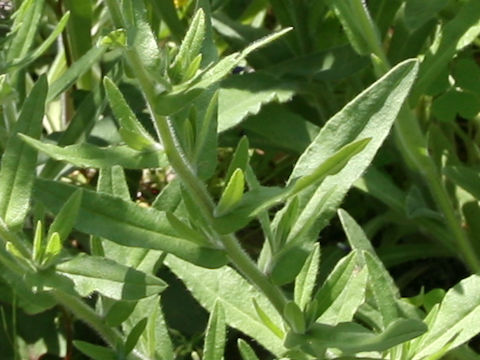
point(337, 142)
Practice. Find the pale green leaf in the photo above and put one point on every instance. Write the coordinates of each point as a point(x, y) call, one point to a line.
point(459, 315)
point(109, 278)
point(306, 279)
point(215, 336)
point(246, 351)
point(370, 115)
point(232, 193)
point(131, 130)
point(88, 155)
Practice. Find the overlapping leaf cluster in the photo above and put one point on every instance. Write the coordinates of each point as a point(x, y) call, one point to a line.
point(124, 89)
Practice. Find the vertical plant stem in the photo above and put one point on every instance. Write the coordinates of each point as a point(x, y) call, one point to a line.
point(249, 269)
point(197, 189)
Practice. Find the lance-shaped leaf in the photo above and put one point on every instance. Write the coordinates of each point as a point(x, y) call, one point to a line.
point(370, 115)
point(262, 198)
point(360, 29)
point(380, 282)
point(126, 223)
point(64, 221)
point(232, 194)
point(306, 278)
point(109, 278)
point(215, 335)
point(352, 338)
point(294, 317)
point(190, 47)
point(134, 335)
point(30, 12)
point(240, 158)
point(131, 130)
point(33, 55)
point(246, 350)
point(87, 155)
point(19, 160)
point(457, 319)
point(78, 68)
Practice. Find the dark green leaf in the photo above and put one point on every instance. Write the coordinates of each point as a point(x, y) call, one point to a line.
point(19, 160)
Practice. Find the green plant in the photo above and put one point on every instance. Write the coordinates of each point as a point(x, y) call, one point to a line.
point(170, 106)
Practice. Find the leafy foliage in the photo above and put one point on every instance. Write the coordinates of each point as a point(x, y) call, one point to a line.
point(171, 172)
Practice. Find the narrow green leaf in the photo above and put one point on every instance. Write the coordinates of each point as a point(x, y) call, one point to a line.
point(178, 99)
point(79, 32)
point(77, 69)
point(186, 231)
point(239, 159)
point(109, 278)
point(87, 155)
point(141, 39)
point(190, 47)
point(294, 316)
point(168, 13)
point(30, 12)
point(95, 352)
point(53, 249)
point(155, 341)
point(119, 312)
point(134, 335)
point(384, 290)
point(356, 237)
point(306, 279)
point(346, 304)
point(352, 338)
point(215, 335)
point(112, 181)
point(232, 193)
point(126, 223)
point(35, 54)
point(65, 220)
point(360, 29)
point(336, 282)
point(374, 111)
point(288, 262)
point(226, 285)
point(267, 321)
point(131, 130)
point(38, 243)
point(19, 160)
point(458, 315)
point(246, 351)
point(331, 166)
